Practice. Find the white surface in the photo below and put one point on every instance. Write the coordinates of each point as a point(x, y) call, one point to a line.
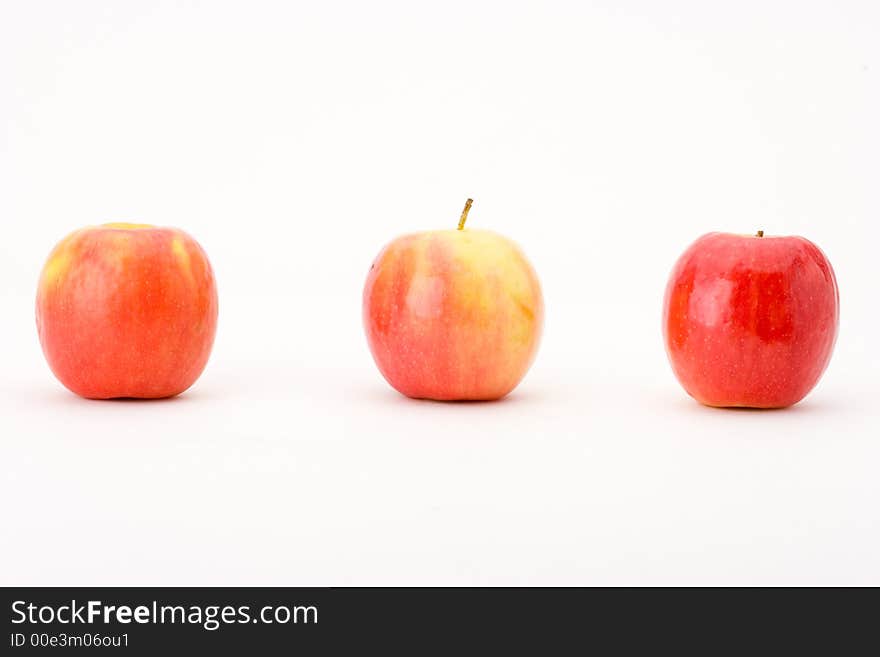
point(293, 140)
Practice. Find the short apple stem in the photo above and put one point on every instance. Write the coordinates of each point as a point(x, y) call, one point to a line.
point(464, 213)
point(760, 233)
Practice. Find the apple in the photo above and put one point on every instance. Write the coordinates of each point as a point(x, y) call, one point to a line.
point(453, 314)
point(750, 320)
point(127, 310)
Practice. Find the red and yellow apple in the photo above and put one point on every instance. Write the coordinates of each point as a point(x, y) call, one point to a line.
point(127, 310)
point(453, 314)
point(750, 320)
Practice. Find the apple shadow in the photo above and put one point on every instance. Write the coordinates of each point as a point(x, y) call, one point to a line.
point(386, 394)
point(159, 401)
point(60, 395)
point(817, 406)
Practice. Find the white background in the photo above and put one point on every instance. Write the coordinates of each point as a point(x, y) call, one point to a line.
point(293, 140)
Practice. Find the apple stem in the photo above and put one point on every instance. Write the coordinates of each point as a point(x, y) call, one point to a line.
point(760, 233)
point(464, 213)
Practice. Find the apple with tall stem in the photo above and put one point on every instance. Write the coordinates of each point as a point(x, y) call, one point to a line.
point(453, 314)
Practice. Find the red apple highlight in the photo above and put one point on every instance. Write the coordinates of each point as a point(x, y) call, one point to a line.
point(127, 310)
point(750, 320)
point(453, 314)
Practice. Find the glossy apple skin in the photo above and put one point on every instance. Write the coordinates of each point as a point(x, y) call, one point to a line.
point(453, 315)
point(125, 310)
point(750, 321)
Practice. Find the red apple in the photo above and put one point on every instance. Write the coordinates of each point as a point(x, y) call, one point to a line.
point(127, 310)
point(453, 314)
point(750, 320)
